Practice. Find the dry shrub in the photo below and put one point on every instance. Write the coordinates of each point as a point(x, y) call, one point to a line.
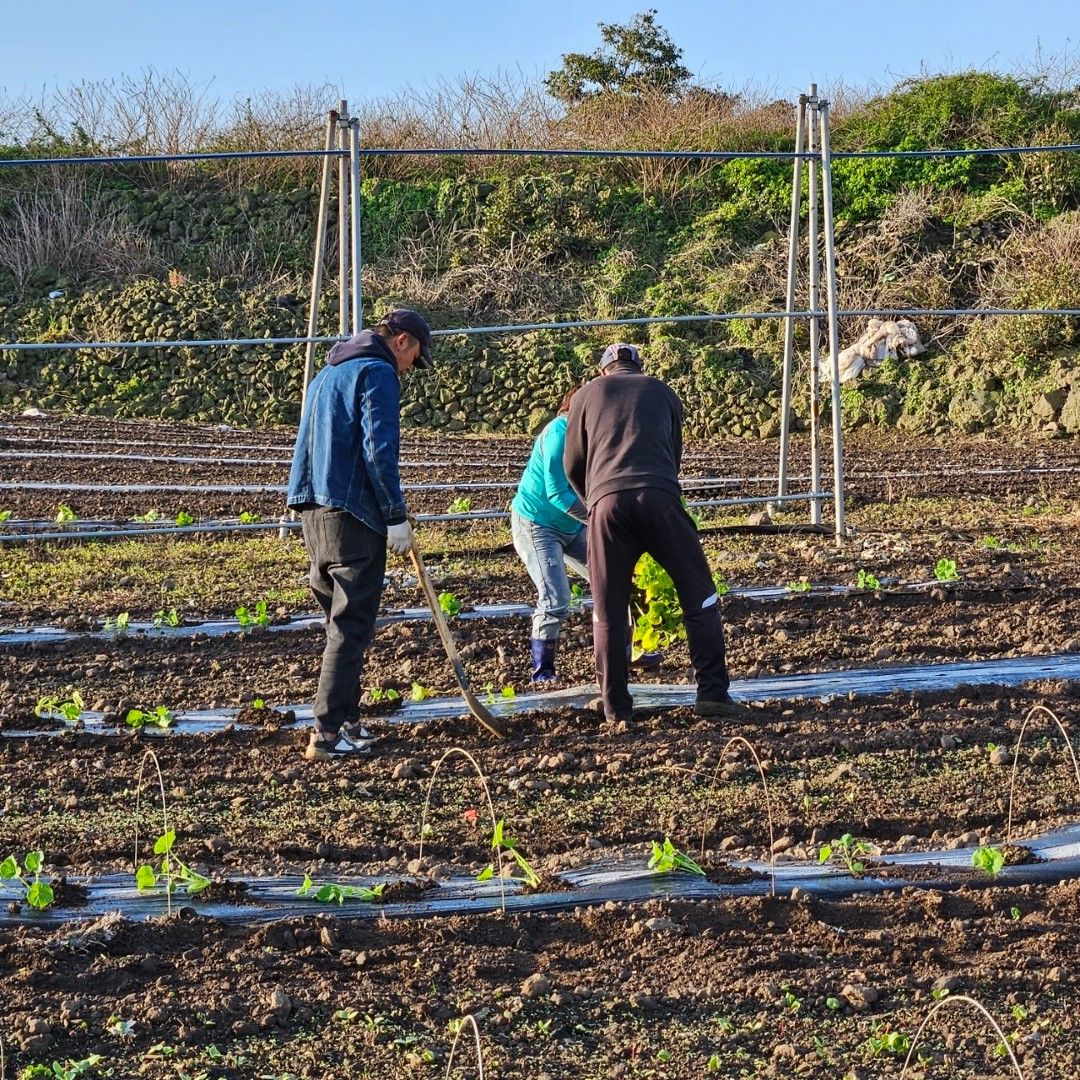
point(1036, 267)
point(509, 286)
point(60, 224)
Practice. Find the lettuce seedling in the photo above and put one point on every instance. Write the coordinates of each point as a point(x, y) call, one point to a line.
point(449, 604)
point(69, 711)
point(166, 618)
point(499, 839)
point(461, 505)
point(184, 518)
point(256, 616)
point(148, 518)
point(118, 625)
point(160, 717)
point(866, 580)
point(173, 870)
point(248, 518)
point(379, 694)
point(668, 857)
point(333, 893)
point(5, 515)
point(37, 893)
point(419, 692)
point(945, 570)
point(989, 859)
point(802, 585)
point(65, 515)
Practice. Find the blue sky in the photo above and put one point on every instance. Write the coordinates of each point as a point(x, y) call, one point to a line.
point(372, 50)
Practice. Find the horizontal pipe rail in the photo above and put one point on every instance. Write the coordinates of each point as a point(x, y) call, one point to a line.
point(578, 324)
point(477, 151)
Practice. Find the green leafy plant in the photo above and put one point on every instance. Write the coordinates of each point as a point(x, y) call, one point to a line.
point(184, 518)
point(887, 1042)
point(659, 622)
point(249, 518)
point(800, 586)
point(166, 618)
point(62, 1070)
point(5, 515)
point(258, 704)
point(866, 580)
point(1014, 913)
point(172, 870)
point(160, 717)
point(37, 893)
point(65, 515)
point(991, 860)
point(945, 570)
point(117, 625)
point(577, 596)
point(667, 857)
point(69, 710)
point(499, 839)
point(449, 604)
point(255, 616)
point(419, 692)
point(461, 505)
point(333, 893)
point(148, 518)
point(379, 693)
point(848, 851)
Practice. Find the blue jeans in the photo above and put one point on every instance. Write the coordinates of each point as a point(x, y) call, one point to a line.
point(546, 552)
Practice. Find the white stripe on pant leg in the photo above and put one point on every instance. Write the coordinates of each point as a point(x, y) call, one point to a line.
point(709, 601)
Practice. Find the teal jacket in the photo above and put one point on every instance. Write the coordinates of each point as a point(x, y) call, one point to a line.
point(544, 495)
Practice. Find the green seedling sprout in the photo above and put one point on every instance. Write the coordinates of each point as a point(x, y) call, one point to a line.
point(69, 710)
point(577, 596)
point(991, 860)
point(866, 580)
point(161, 717)
point(173, 871)
point(499, 840)
point(255, 616)
point(461, 505)
point(887, 1042)
point(419, 692)
point(800, 586)
point(1014, 913)
point(334, 893)
point(61, 1070)
point(668, 858)
point(118, 625)
point(387, 694)
point(258, 704)
point(449, 604)
point(148, 518)
point(5, 515)
point(166, 618)
point(848, 850)
point(945, 570)
point(248, 518)
point(184, 518)
point(65, 515)
point(37, 893)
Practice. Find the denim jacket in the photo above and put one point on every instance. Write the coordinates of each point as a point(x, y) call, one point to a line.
point(347, 448)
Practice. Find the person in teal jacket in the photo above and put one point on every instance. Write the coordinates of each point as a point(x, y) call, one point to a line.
point(547, 521)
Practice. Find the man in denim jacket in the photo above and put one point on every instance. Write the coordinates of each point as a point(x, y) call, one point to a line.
point(346, 485)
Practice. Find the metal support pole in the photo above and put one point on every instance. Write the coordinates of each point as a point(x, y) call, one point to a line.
point(792, 278)
point(834, 327)
point(357, 260)
point(813, 245)
point(343, 219)
point(320, 258)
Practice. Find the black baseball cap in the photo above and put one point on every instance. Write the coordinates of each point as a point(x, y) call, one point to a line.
point(407, 321)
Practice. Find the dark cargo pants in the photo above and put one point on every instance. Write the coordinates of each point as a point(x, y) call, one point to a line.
point(622, 526)
point(348, 561)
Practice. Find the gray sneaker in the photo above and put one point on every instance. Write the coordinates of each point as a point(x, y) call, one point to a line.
point(355, 732)
point(725, 706)
point(340, 747)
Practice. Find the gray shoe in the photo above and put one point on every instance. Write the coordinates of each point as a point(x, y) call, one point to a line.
point(725, 706)
point(332, 750)
point(355, 732)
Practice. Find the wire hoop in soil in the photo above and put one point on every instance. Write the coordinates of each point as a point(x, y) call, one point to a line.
point(469, 1021)
point(964, 999)
point(491, 810)
point(164, 816)
point(768, 803)
point(1016, 759)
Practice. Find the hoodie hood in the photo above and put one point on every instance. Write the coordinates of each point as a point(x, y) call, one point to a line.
point(366, 344)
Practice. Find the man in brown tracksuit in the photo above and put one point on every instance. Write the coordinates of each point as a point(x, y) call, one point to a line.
point(622, 456)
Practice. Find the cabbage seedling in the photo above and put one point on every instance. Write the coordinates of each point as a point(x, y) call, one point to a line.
point(248, 518)
point(333, 893)
point(184, 518)
point(160, 717)
point(37, 893)
point(461, 505)
point(848, 850)
point(866, 580)
point(989, 859)
point(499, 839)
point(65, 515)
point(668, 857)
point(166, 618)
point(945, 570)
point(69, 711)
point(419, 692)
point(802, 585)
point(118, 625)
point(5, 515)
point(256, 616)
point(173, 870)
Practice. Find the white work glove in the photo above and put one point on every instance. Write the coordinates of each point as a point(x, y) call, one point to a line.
point(399, 538)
